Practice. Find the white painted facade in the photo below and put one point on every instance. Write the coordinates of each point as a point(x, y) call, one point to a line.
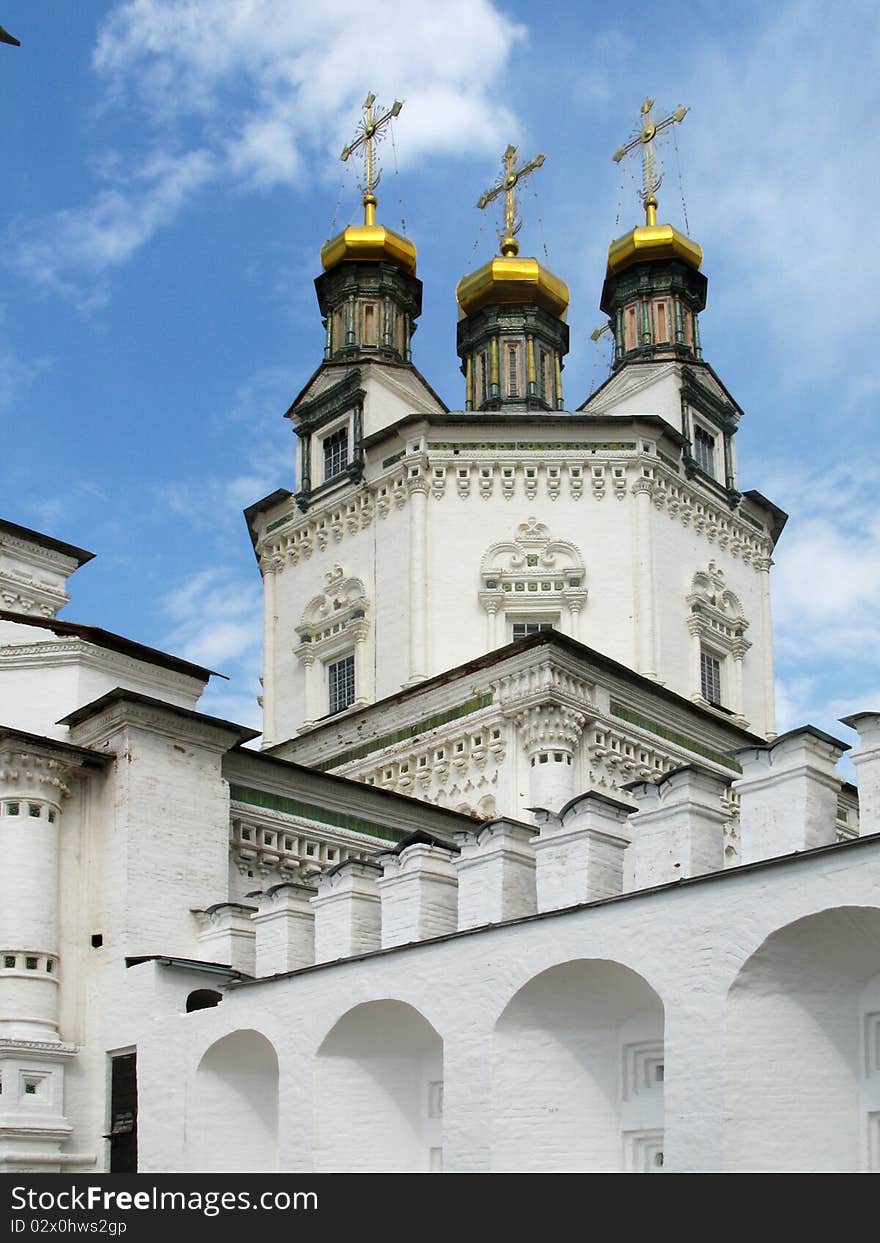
point(525, 902)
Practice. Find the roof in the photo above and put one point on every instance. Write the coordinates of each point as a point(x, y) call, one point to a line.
point(458, 819)
point(187, 964)
point(120, 695)
point(554, 419)
point(79, 555)
point(97, 759)
point(552, 638)
point(113, 643)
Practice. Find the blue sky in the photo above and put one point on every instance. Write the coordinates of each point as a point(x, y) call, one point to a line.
point(170, 171)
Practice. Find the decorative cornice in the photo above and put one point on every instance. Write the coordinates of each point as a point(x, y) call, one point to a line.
point(43, 1050)
point(156, 719)
point(66, 651)
point(20, 766)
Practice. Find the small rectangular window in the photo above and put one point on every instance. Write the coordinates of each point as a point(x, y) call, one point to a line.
point(545, 376)
point(340, 680)
point(512, 372)
point(371, 335)
point(335, 453)
point(710, 677)
point(661, 322)
point(704, 450)
point(483, 377)
point(8, 962)
point(522, 629)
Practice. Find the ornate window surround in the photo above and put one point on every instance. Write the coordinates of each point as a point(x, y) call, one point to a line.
point(716, 623)
point(334, 624)
point(534, 576)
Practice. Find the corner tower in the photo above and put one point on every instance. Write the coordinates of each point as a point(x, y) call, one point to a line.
point(512, 335)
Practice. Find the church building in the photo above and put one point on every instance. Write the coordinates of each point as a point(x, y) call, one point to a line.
point(520, 876)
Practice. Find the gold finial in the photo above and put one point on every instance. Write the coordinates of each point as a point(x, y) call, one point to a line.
point(507, 186)
point(370, 131)
point(649, 128)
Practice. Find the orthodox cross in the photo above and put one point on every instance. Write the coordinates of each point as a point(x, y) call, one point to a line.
point(648, 132)
point(507, 186)
point(369, 131)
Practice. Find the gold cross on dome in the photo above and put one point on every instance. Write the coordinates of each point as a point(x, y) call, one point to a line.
point(649, 129)
point(507, 186)
point(370, 131)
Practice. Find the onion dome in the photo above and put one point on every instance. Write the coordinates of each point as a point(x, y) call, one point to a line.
point(369, 243)
point(508, 280)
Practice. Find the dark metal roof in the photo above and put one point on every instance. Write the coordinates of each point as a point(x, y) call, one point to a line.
point(553, 638)
point(79, 555)
point(114, 643)
point(120, 695)
point(188, 964)
point(96, 759)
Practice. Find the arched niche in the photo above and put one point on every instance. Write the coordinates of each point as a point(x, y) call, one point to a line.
point(232, 1124)
point(379, 1092)
point(802, 1056)
point(203, 999)
point(577, 1072)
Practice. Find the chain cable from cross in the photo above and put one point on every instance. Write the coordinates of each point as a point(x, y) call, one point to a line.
point(648, 131)
point(507, 186)
point(370, 132)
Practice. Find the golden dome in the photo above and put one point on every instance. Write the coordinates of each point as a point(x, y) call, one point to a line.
point(509, 280)
point(657, 241)
point(369, 243)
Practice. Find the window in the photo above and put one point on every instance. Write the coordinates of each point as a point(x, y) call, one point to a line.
point(522, 629)
point(482, 378)
point(371, 332)
point(710, 677)
point(630, 330)
point(545, 376)
point(661, 322)
point(512, 372)
point(704, 450)
point(335, 453)
point(340, 679)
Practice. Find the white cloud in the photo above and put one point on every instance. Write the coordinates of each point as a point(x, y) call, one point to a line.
point(826, 582)
point(780, 134)
point(216, 620)
point(248, 92)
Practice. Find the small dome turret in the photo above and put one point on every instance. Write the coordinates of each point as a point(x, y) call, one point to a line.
point(512, 334)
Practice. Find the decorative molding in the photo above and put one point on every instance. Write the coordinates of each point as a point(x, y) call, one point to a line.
point(56, 653)
point(30, 767)
point(533, 573)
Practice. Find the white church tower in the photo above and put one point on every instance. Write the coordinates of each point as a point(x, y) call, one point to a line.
point(420, 539)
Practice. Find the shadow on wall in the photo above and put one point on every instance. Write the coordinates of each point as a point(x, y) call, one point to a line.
point(232, 1124)
point(379, 1092)
point(802, 1065)
point(577, 1073)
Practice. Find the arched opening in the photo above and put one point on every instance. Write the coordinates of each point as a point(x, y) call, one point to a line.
point(232, 1123)
point(802, 1066)
point(577, 1072)
point(203, 999)
point(379, 1093)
